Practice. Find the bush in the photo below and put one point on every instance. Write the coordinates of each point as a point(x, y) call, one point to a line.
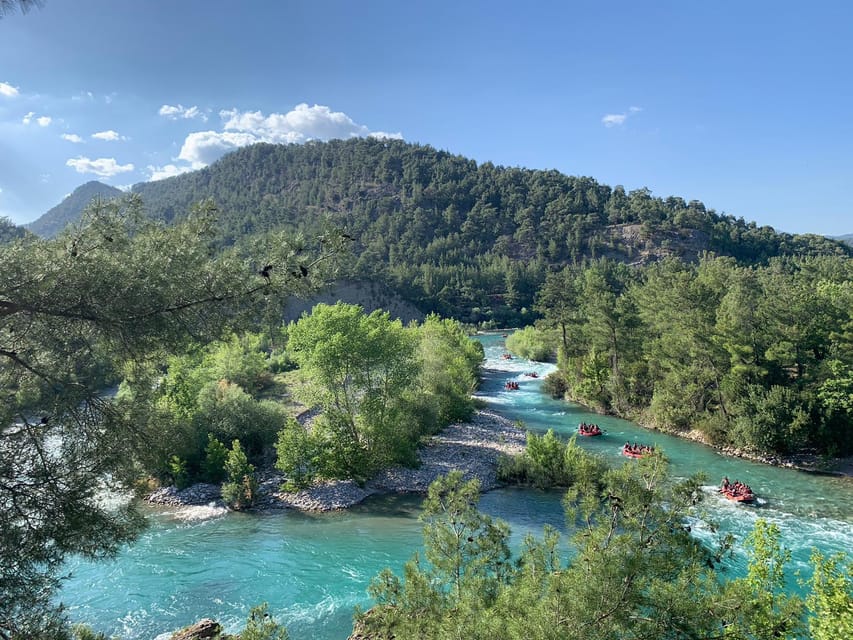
point(547, 463)
point(241, 489)
point(555, 385)
point(216, 454)
point(178, 472)
point(532, 344)
point(297, 455)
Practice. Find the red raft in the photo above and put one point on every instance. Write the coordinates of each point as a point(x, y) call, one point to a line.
point(636, 451)
point(737, 492)
point(585, 429)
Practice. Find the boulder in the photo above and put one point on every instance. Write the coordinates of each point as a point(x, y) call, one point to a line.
point(201, 630)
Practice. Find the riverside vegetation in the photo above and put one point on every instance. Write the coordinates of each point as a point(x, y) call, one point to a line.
point(755, 357)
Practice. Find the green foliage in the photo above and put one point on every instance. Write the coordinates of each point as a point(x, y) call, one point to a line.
point(830, 602)
point(463, 546)
point(532, 344)
point(632, 568)
point(359, 368)
point(215, 457)
point(228, 412)
point(541, 464)
point(468, 556)
point(298, 455)
point(241, 361)
point(240, 490)
point(756, 357)
point(260, 625)
point(449, 370)
point(113, 294)
point(758, 605)
point(770, 420)
point(84, 632)
point(178, 472)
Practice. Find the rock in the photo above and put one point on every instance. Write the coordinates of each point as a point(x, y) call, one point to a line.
point(204, 628)
point(197, 494)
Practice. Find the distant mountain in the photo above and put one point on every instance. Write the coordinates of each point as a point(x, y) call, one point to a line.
point(69, 210)
point(9, 231)
point(848, 238)
point(466, 240)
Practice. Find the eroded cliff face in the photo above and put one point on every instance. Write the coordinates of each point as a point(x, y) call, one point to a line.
point(369, 296)
point(635, 244)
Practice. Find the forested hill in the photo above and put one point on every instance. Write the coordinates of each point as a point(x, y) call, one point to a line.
point(469, 241)
point(848, 238)
point(452, 235)
point(69, 210)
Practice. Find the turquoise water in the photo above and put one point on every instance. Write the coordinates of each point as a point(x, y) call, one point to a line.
point(313, 569)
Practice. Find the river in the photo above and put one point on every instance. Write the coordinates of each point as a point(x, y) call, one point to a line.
point(313, 569)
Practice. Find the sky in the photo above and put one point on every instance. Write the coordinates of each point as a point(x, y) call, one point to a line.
point(746, 106)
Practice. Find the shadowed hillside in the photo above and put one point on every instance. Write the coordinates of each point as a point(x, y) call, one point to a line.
point(69, 210)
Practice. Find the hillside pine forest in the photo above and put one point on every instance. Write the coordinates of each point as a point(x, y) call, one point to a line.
point(654, 309)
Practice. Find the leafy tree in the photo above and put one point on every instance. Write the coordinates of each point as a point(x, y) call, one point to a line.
point(358, 367)
point(215, 458)
point(757, 606)
point(109, 296)
point(830, 602)
point(297, 455)
point(449, 370)
point(468, 554)
point(632, 570)
point(228, 412)
point(240, 490)
point(178, 472)
point(531, 344)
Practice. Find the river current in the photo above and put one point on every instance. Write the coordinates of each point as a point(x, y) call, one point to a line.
point(313, 569)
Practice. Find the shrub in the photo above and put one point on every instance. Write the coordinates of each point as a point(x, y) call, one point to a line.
point(240, 491)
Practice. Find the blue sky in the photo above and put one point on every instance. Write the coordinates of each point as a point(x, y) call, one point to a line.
point(747, 106)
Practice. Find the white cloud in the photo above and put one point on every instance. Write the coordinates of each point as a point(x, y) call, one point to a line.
point(203, 147)
point(613, 119)
point(72, 137)
point(108, 135)
point(181, 112)
point(8, 90)
point(168, 171)
point(301, 124)
point(104, 167)
point(618, 119)
point(42, 121)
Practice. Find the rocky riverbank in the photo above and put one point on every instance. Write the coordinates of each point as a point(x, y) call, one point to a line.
point(808, 462)
point(471, 447)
